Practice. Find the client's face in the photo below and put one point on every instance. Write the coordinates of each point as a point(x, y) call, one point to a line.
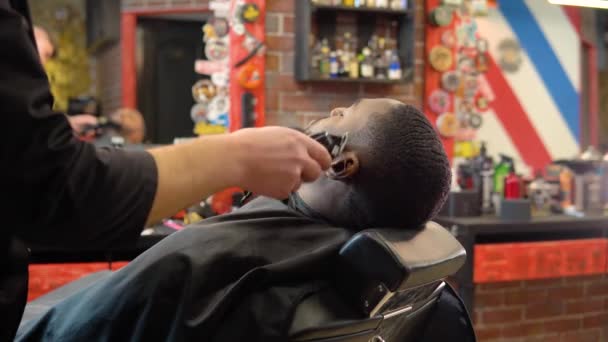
point(326, 195)
point(352, 119)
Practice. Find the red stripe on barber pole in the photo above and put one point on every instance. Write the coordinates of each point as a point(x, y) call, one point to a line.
point(515, 121)
point(574, 15)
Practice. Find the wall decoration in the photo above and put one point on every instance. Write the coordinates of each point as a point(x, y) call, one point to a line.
point(509, 55)
point(441, 58)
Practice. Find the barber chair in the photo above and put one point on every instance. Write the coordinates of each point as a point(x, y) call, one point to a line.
point(385, 287)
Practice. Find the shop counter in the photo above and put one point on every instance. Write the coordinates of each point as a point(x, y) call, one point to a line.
point(529, 278)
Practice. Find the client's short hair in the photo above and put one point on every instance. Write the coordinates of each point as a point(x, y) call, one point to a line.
point(405, 176)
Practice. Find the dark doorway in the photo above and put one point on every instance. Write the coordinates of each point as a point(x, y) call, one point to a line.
point(166, 75)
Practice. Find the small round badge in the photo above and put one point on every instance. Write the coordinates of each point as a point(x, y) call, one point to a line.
point(198, 113)
point(216, 50)
point(449, 39)
point(475, 121)
point(249, 13)
point(441, 58)
point(482, 103)
point(439, 101)
point(220, 26)
point(441, 16)
point(220, 79)
point(203, 91)
point(450, 81)
point(447, 124)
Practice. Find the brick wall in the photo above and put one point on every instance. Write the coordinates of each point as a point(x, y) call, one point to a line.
point(287, 102)
point(292, 103)
point(561, 310)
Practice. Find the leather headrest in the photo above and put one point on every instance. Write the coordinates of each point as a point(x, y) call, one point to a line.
point(402, 258)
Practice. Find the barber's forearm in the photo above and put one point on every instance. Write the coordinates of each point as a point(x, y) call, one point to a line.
point(190, 172)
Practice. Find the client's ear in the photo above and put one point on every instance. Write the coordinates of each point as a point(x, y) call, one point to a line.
point(344, 166)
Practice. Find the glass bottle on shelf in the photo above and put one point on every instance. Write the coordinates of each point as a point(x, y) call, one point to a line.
point(373, 45)
point(340, 59)
point(380, 66)
point(367, 64)
point(394, 66)
point(353, 70)
point(370, 3)
point(336, 2)
point(347, 54)
point(382, 3)
point(324, 61)
point(333, 65)
point(398, 4)
point(359, 3)
point(316, 56)
point(349, 3)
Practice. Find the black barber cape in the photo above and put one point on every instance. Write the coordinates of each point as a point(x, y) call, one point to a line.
point(54, 189)
point(235, 277)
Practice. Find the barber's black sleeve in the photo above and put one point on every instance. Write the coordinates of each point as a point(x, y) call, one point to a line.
point(54, 189)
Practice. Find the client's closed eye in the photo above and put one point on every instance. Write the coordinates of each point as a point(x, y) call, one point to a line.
point(337, 112)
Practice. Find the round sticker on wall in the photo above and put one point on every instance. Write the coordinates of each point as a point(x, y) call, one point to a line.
point(203, 91)
point(220, 26)
point(220, 79)
point(439, 101)
point(249, 13)
point(198, 113)
point(450, 81)
point(219, 105)
point(441, 16)
point(216, 49)
point(447, 125)
point(448, 38)
point(475, 120)
point(441, 58)
point(509, 55)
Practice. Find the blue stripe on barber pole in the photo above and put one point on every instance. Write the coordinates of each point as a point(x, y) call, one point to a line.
point(530, 91)
point(561, 35)
point(531, 38)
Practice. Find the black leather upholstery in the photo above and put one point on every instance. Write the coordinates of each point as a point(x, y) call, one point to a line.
point(389, 278)
point(402, 259)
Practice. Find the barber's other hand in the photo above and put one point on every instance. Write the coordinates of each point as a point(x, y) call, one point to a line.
point(81, 121)
point(274, 161)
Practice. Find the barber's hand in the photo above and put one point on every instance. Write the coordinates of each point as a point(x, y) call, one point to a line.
point(274, 161)
point(81, 121)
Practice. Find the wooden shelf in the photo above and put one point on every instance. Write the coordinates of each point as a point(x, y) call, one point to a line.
point(356, 80)
point(370, 10)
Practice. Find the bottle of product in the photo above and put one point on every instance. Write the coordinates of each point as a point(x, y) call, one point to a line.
point(316, 57)
point(367, 64)
point(394, 67)
point(353, 69)
point(398, 4)
point(324, 61)
point(382, 3)
point(370, 3)
point(334, 65)
point(501, 171)
point(349, 3)
point(512, 185)
point(484, 167)
point(566, 182)
point(539, 196)
point(380, 67)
